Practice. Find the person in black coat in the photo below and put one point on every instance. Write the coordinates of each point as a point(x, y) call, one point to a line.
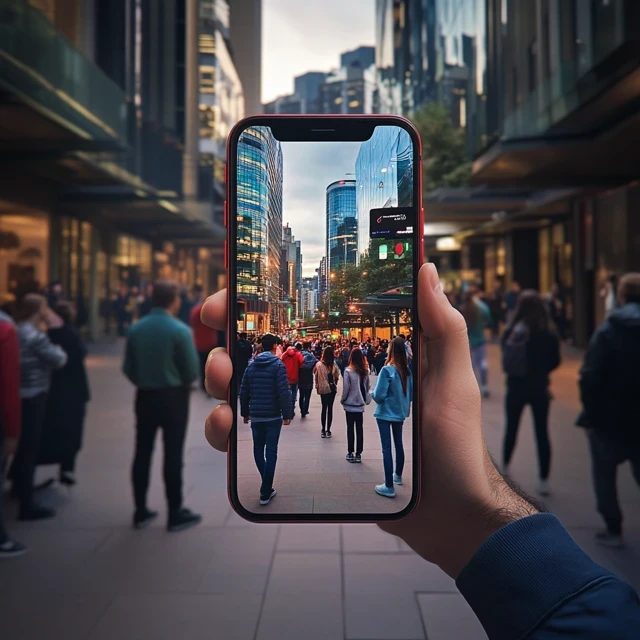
point(67, 399)
point(609, 390)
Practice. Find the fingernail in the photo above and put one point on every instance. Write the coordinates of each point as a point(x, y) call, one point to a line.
point(434, 278)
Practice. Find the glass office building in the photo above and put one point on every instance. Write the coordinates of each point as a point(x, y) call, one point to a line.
point(259, 193)
point(384, 177)
point(342, 224)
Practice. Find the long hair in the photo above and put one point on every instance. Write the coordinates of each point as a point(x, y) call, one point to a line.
point(398, 358)
point(31, 304)
point(328, 358)
point(356, 361)
point(470, 309)
point(532, 311)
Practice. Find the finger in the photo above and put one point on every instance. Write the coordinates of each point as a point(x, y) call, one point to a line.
point(218, 372)
point(214, 311)
point(444, 327)
point(218, 426)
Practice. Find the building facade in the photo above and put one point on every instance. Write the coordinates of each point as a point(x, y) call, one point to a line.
point(342, 224)
point(348, 90)
point(291, 274)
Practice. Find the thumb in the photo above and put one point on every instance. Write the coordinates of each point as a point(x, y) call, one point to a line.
point(443, 326)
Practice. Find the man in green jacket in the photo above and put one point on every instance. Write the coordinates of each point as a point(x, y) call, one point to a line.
point(161, 361)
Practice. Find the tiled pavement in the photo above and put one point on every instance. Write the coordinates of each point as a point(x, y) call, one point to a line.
point(89, 576)
point(312, 475)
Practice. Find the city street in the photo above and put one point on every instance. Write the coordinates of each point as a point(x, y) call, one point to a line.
point(89, 576)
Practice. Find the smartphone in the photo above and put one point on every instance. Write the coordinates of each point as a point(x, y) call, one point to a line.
point(325, 238)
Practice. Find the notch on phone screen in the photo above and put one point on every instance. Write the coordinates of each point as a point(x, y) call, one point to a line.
point(324, 277)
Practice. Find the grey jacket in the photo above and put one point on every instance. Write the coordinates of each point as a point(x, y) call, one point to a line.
point(352, 399)
point(38, 358)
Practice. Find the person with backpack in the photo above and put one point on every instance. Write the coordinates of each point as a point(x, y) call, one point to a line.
point(305, 378)
point(327, 375)
point(478, 317)
point(355, 396)
point(265, 402)
point(609, 390)
point(393, 394)
point(530, 352)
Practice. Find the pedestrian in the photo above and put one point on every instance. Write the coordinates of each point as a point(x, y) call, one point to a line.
point(293, 360)
point(370, 355)
point(478, 317)
point(609, 294)
point(55, 294)
point(609, 389)
point(121, 309)
point(205, 339)
point(495, 302)
point(10, 417)
point(327, 375)
point(393, 394)
point(265, 402)
point(519, 569)
point(38, 359)
point(345, 352)
point(558, 310)
point(511, 302)
point(146, 304)
point(530, 352)
point(67, 399)
point(355, 396)
point(161, 361)
point(305, 378)
point(380, 357)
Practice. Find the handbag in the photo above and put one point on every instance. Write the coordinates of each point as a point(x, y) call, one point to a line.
point(331, 380)
point(366, 396)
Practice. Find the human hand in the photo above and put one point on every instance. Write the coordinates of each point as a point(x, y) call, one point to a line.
point(464, 499)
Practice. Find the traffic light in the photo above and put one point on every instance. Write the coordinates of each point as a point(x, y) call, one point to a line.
point(400, 249)
point(303, 333)
point(241, 310)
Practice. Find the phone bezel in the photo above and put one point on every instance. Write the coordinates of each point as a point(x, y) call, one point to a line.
point(320, 128)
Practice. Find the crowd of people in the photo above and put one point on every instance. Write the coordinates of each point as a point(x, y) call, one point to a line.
point(273, 370)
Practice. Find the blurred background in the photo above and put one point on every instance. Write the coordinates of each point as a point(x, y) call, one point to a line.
point(113, 123)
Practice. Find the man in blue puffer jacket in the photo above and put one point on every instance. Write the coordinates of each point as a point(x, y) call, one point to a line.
point(265, 401)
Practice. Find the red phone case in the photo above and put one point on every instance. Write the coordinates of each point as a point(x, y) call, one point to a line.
point(229, 258)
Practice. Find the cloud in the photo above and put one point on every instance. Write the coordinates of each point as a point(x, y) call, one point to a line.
point(308, 168)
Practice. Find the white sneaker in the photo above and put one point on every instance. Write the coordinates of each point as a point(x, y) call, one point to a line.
point(397, 479)
point(543, 487)
point(383, 490)
point(267, 499)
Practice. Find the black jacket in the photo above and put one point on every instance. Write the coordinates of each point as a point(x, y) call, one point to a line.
point(543, 356)
point(610, 376)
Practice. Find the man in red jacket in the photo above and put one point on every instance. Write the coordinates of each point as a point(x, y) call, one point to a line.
point(293, 360)
point(10, 416)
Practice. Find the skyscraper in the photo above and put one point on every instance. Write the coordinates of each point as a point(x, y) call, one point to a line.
point(291, 270)
point(342, 224)
point(384, 177)
point(259, 205)
point(274, 223)
point(323, 274)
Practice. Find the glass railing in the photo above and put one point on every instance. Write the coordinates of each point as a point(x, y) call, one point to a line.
point(40, 65)
point(546, 105)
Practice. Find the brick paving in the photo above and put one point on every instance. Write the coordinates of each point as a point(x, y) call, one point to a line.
point(88, 575)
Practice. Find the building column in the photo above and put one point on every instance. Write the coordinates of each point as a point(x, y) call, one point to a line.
point(94, 287)
point(55, 244)
point(191, 103)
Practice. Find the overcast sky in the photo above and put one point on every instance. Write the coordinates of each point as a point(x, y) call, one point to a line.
point(308, 168)
point(309, 35)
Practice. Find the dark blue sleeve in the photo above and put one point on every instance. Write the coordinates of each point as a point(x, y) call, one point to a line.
point(284, 391)
point(531, 581)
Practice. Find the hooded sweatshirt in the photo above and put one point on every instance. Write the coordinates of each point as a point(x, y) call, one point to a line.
point(305, 379)
point(264, 392)
point(293, 360)
point(610, 376)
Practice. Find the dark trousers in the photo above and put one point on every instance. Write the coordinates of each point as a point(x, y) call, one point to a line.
point(305, 399)
point(167, 409)
point(518, 396)
point(606, 455)
point(326, 415)
point(354, 423)
point(386, 429)
point(294, 395)
point(26, 458)
point(266, 436)
point(203, 355)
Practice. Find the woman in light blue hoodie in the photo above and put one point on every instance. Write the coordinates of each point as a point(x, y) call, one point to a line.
point(392, 396)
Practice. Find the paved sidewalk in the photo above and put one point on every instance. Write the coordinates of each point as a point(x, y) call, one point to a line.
point(89, 576)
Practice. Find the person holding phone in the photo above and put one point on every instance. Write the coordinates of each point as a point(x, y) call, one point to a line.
point(470, 518)
point(327, 375)
point(355, 396)
point(393, 393)
point(265, 402)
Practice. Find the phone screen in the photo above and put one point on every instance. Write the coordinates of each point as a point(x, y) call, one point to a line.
point(322, 274)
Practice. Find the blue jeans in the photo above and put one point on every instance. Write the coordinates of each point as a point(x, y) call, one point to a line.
point(305, 399)
point(480, 366)
point(294, 395)
point(265, 451)
point(386, 428)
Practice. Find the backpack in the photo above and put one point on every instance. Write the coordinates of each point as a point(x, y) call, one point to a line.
point(514, 351)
